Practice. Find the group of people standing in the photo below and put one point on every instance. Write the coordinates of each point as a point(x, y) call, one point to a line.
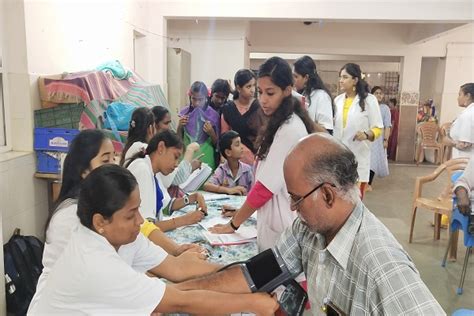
point(268, 126)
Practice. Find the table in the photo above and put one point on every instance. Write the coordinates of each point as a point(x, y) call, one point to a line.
point(193, 233)
point(54, 186)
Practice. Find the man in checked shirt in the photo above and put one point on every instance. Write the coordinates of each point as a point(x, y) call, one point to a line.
point(352, 262)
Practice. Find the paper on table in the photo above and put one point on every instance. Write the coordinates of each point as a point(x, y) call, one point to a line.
point(243, 235)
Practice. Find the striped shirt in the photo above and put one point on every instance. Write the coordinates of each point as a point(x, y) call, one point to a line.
point(364, 270)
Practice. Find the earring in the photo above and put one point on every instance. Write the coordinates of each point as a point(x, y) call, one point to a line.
point(353, 88)
point(101, 231)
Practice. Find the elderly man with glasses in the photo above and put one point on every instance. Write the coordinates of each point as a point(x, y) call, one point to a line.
point(352, 262)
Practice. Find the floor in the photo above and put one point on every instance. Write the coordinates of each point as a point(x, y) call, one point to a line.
point(391, 201)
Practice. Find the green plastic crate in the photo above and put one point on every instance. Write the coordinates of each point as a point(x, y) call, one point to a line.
point(63, 116)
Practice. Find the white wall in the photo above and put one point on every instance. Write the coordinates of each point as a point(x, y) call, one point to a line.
point(432, 80)
point(218, 48)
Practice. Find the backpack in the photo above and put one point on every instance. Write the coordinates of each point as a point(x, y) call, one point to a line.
point(22, 257)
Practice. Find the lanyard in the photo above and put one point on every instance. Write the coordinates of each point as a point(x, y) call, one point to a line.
point(159, 197)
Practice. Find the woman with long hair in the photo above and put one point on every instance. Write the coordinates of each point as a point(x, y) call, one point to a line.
point(244, 114)
point(357, 120)
point(318, 98)
point(287, 123)
point(141, 129)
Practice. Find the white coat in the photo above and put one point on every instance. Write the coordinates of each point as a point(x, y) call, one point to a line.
point(275, 215)
point(462, 130)
point(357, 120)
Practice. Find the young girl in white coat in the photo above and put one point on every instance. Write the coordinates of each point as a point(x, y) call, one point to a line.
point(357, 120)
point(161, 156)
point(318, 98)
point(288, 122)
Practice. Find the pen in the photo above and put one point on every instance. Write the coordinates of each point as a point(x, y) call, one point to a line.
point(202, 211)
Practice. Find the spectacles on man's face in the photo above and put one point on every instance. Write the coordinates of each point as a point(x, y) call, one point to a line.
point(295, 200)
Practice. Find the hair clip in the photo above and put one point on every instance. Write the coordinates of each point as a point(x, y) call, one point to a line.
point(362, 76)
point(132, 123)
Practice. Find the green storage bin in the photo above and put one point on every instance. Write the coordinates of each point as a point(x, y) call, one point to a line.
point(61, 116)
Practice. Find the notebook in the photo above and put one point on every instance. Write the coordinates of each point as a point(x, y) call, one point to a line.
point(196, 179)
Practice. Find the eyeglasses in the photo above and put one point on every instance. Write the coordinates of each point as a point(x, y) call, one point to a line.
point(295, 200)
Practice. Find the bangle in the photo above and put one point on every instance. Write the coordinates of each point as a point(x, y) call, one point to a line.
point(233, 226)
point(366, 135)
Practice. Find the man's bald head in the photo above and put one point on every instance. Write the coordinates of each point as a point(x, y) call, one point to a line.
point(322, 158)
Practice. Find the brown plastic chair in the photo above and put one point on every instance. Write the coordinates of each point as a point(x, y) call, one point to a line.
point(446, 142)
point(428, 133)
point(442, 205)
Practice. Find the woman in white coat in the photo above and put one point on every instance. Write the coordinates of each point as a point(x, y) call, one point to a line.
point(357, 120)
point(462, 130)
point(91, 277)
point(288, 122)
point(318, 98)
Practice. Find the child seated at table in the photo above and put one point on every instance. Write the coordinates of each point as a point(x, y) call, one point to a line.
point(233, 176)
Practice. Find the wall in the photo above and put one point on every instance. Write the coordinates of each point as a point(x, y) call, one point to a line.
point(432, 80)
point(218, 48)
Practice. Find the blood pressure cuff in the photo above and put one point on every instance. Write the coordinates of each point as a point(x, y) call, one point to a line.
point(265, 271)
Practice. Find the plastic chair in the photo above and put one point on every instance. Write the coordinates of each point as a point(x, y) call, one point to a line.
point(460, 222)
point(428, 139)
point(442, 205)
point(446, 142)
point(463, 312)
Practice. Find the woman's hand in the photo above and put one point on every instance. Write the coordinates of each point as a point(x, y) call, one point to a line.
point(265, 304)
point(183, 120)
point(360, 136)
point(222, 229)
point(462, 145)
point(193, 248)
point(199, 199)
point(196, 162)
point(193, 217)
point(208, 129)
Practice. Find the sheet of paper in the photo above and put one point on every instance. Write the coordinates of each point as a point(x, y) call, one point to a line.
point(243, 235)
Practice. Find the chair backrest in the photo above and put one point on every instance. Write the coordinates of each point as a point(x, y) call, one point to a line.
point(457, 164)
point(428, 133)
point(444, 129)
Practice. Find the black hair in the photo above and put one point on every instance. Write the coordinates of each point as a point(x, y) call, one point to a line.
point(241, 78)
point(220, 85)
point(280, 74)
point(468, 88)
point(305, 66)
point(170, 138)
point(375, 88)
point(159, 112)
point(225, 142)
point(142, 119)
point(394, 101)
point(104, 191)
point(362, 88)
point(84, 147)
point(201, 88)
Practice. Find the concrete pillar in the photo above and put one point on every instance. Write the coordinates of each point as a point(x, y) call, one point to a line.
point(409, 99)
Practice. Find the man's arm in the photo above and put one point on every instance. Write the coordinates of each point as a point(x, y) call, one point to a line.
point(208, 302)
point(231, 280)
point(463, 188)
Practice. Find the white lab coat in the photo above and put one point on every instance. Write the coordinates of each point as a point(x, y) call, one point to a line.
point(142, 170)
point(92, 278)
point(357, 121)
point(275, 215)
point(462, 130)
point(320, 109)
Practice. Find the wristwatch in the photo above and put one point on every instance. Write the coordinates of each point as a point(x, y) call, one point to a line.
point(186, 199)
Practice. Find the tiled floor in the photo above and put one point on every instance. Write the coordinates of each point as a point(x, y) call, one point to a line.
point(391, 202)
